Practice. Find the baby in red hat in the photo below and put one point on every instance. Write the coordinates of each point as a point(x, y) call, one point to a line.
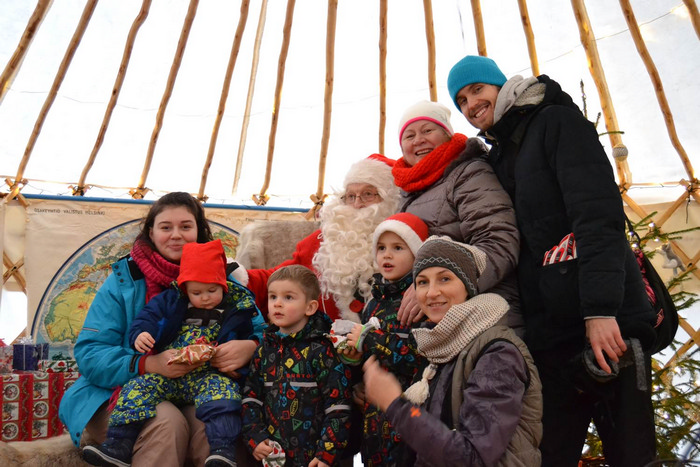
point(200, 307)
point(396, 241)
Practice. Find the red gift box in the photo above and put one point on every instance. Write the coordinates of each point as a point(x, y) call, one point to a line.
point(30, 404)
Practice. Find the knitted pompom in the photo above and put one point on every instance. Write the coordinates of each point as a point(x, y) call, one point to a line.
point(418, 392)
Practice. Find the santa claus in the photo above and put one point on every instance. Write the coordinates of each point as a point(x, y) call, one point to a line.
point(340, 252)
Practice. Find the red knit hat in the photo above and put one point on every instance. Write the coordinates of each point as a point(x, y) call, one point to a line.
point(203, 262)
point(409, 227)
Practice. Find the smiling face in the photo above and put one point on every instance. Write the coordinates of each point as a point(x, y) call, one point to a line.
point(420, 138)
point(477, 103)
point(203, 295)
point(288, 307)
point(172, 228)
point(394, 257)
point(437, 290)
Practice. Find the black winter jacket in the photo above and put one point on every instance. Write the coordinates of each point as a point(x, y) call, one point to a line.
point(549, 159)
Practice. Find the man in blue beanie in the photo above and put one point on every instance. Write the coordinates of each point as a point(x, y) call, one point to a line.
point(580, 285)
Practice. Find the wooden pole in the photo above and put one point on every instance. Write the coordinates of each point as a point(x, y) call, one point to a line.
point(262, 197)
point(80, 189)
point(249, 98)
point(331, 21)
point(658, 85)
point(596, 69)
point(383, 7)
point(694, 15)
point(235, 48)
point(430, 39)
point(8, 74)
point(51, 97)
point(141, 190)
point(529, 37)
point(479, 28)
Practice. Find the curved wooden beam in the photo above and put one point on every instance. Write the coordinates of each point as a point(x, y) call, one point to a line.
point(430, 39)
point(235, 48)
point(141, 189)
point(479, 28)
point(598, 75)
point(8, 74)
point(382, 72)
point(529, 37)
point(51, 97)
point(694, 15)
point(658, 85)
point(262, 197)
point(249, 97)
point(331, 21)
point(80, 189)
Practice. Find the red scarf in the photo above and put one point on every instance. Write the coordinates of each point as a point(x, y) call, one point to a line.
point(158, 271)
point(430, 168)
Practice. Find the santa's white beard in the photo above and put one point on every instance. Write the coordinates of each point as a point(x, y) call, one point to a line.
point(345, 259)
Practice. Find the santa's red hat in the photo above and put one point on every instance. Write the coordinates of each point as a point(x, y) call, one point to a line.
point(374, 170)
point(409, 227)
point(203, 262)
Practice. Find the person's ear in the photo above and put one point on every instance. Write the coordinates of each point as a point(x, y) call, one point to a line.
point(311, 307)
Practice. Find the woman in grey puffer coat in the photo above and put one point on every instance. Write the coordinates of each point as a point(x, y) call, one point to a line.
point(446, 181)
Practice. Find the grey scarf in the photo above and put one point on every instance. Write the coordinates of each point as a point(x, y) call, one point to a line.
point(520, 91)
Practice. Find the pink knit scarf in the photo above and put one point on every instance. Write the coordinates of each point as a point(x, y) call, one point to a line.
point(158, 271)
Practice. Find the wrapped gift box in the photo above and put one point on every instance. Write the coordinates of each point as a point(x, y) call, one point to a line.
point(25, 357)
point(30, 404)
point(58, 366)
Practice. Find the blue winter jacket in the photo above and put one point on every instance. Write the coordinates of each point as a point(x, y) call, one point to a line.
point(102, 351)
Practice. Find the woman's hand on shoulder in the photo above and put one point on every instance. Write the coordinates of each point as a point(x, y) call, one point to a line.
point(232, 355)
point(158, 363)
point(409, 311)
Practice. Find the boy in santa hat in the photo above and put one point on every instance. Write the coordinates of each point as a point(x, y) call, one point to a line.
point(201, 306)
point(395, 243)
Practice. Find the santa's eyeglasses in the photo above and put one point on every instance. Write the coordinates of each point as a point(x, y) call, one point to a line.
point(364, 197)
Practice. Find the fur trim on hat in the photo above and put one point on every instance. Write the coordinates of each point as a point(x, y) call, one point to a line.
point(374, 170)
point(409, 227)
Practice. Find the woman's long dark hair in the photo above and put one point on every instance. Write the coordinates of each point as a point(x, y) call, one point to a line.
point(174, 200)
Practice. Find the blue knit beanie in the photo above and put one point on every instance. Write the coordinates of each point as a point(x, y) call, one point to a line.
point(473, 69)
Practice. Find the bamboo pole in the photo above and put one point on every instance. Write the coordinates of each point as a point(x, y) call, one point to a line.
point(140, 190)
point(430, 39)
point(318, 198)
point(529, 37)
point(658, 85)
point(235, 48)
point(51, 97)
point(383, 7)
point(694, 15)
point(479, 28)
point(80, 189)
point(598, 75)
point(8, 74)
point(262, 197)
point(249, 98)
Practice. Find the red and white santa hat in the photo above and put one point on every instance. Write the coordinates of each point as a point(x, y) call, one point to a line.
point(203, 262)
point(426, 110)
point(374, 170)
point(409, 227)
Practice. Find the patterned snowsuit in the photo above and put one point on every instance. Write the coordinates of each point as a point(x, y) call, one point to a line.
point(297, 393)
point(171, 321)
point(381, 443)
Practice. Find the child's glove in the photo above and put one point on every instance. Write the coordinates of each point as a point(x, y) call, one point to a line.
point(277, 457)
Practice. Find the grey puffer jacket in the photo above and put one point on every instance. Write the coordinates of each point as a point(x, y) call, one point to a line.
point(469, 205)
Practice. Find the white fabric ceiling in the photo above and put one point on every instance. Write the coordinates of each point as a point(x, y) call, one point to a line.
point(71, 128)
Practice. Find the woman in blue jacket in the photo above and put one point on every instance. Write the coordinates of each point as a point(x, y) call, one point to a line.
point(107, 361)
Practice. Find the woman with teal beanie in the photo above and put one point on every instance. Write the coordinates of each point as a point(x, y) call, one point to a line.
point(589, 301)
